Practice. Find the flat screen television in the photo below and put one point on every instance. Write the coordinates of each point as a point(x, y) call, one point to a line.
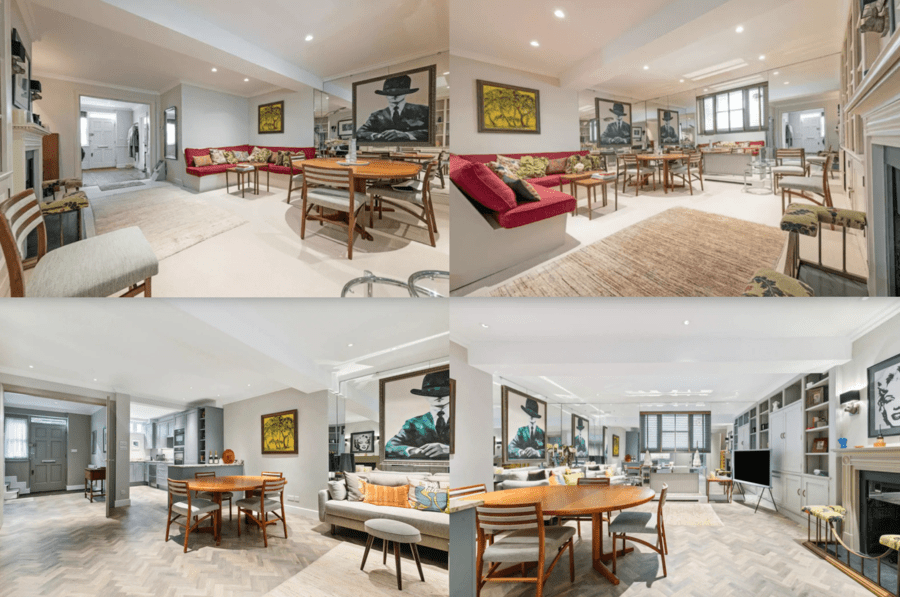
point(752, 467)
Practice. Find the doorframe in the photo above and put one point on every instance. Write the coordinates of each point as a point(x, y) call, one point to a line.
point(31, 460)
point(115, 133)
point(154, 152)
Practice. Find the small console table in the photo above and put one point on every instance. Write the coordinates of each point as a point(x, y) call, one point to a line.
point(92, 475)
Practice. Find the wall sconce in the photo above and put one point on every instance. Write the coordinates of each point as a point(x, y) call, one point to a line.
point(35, 90)
point(850, 402)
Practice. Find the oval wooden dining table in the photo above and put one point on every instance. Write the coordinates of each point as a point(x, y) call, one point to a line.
point(578, 500)
point(219, 485)
point(665, 159)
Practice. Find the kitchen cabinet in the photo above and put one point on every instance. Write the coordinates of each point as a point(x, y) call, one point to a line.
point(179, 422)
point(793, 488)
point(815, 492)
point(192, 438)
point(786, 439)
point(162, 475)
point(743, 442)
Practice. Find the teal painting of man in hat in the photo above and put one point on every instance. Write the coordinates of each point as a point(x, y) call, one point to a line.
point(578, 440)
point(619, 131)
point(400, 121)
point(529, 442)
point(427, 436)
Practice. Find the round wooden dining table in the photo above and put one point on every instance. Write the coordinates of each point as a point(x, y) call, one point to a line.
point(219, 485)
point(578, 500)
point(665, 159)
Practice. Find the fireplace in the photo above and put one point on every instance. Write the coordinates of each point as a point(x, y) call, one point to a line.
point(30, 165)
point(879, 510)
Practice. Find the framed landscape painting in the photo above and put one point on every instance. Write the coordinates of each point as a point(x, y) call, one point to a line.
point(279, 432)
point(581, 432)
point(271, 118)
point(668, 127)
point(417, 413)
point(396, 109)
point(508, 109)
point(884, 398)
point(615, 446)
point(614, 122)
point(524, 423)
point(345, 128)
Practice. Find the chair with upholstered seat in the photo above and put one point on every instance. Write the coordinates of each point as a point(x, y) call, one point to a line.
point(804, 186)
point(632, 169)
point(100, 266)
point(642, 523)
point(526, 540)
point(412, 192)
point(296, 180)
point(262, 505)
point(198, 508)
point(788, 162)
point(330, 189)
point(461, 492)
point(690, 171)
point(226, 495)
point(601, 481)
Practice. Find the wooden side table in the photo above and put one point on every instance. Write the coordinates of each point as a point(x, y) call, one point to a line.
point(570, 180)
point(726, 481)
point(591, 185)
point(243, 175)
point(91, 475)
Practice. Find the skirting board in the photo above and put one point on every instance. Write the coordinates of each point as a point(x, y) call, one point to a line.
point(121, 503)
point(304, 512)
point(74, 487)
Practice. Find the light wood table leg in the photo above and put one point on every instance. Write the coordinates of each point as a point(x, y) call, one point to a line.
point(598, 555)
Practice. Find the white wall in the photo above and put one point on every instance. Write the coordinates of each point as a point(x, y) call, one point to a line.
point(472, 463)
point(2, 450)
point(299, 119)
point(213, 119)
point(560, 128)
point(878, 345)
point(620, 459)
point(306, 471)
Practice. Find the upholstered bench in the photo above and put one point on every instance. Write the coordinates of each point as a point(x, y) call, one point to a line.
point(827, 514)
point(769, 283)
point(805, 219)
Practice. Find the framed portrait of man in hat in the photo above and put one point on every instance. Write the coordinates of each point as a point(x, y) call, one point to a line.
point(396, 109)
point(668, 127)
point(524, 427)
point(417, 412)
point(581, 433)
point(614, 120)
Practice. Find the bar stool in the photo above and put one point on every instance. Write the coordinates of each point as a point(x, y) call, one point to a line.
point(892, 542)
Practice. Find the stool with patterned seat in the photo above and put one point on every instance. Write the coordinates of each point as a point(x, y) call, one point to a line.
point(808, 220)
point(73, 202)
point(827, 514)
point(892, 542)
point(769, 283)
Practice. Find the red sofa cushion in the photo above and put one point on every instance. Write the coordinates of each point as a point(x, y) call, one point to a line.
point(552, 203)
point(278, 169)
point(189, 153)
point(492, 157)
point(481, 185)
point(207, 170)
point(546, 181)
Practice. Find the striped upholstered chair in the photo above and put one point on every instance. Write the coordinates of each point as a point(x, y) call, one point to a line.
point(100, 266)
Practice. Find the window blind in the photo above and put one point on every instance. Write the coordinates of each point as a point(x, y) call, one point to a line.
point(675, 432)
point(15, 434)
point(734, 111)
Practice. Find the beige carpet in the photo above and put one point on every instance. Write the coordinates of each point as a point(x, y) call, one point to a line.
point(680, 252)
point(171, 218)
point(337, 574)
point(683, 514)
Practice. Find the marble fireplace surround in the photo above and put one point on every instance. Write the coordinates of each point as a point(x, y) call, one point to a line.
point(853, 461)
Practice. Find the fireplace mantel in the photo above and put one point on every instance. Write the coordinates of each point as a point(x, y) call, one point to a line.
point(854, 460)
point(27, 137)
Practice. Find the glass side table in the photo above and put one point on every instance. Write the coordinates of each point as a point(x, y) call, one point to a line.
point(758, 179)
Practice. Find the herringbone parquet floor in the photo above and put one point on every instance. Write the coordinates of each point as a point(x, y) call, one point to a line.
point(62, 545)
point(749, 556)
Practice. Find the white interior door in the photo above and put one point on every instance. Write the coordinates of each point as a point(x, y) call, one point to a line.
point(102, 136)
point(812, 131)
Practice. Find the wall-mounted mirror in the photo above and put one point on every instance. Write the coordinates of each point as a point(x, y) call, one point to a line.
point(171, 134)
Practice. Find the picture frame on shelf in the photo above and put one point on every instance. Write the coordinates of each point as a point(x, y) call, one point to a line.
point(883, 392)
point(820, 445)
point(816, 396)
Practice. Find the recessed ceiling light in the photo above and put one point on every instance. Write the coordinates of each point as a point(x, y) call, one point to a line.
point(350, 346)
point(484, 325)
point(95, 379)
point(646, 67)
point(687, 322)
point(776, 73)
point(446, 73)
point(787, 82)
point(215, 70)
point(681, 81)
point(560, 14)
point(31, 366)
point(535, 44)
point(309, 38)
point(246, 80)
point(740, 29)
point(762, 57)
point(706, 90)
point(248, 385)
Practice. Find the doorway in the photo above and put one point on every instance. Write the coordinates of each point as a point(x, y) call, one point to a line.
point(114, 143)
point(804, 129)
point(47, 454)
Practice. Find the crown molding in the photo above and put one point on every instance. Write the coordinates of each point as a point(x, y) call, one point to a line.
point(46, 75)
point(28, 17)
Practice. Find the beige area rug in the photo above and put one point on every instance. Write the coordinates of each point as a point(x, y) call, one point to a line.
point(171, 218)
point(680, 252)
point(683, 514)
point(337, 574)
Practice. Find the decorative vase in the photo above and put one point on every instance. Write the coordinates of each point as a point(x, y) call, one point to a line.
point(879, 442)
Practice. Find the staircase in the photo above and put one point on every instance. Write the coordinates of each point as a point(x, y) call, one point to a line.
point(12, 487)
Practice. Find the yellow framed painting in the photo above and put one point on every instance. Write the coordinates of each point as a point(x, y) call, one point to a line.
point(271, 118)
point(279, 432)
point(508, 109)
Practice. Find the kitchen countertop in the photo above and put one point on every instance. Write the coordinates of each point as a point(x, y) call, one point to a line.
point(204, 465)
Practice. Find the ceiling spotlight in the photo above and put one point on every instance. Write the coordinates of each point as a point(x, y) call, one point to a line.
point(646, 67)
point(350, 346)
point(246, 80)
point(446, 73)
point(484, 325)
point(248, 385)
point(740, 29)
point(681, 81)
point(309, 38)
point(687, 322)
point(560, 14)
point(762, 57)
point(787, 82)
point(31, 366)
point(535, 44)
point(776, 73)
point(215, 70)
point(95, 379)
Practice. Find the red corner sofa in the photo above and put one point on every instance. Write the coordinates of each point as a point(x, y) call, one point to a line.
point(492, 231)
point(208, 178)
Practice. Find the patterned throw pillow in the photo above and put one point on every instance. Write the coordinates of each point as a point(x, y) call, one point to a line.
point(532, 167)
point(572, 479)
point(272, 156)
point(242, 156)
point(260, 155)
point(230, 157)
point(380, 495)
point(597, 162)
point(509, 163)
point(557, 166)
point(523, 189)
point(429, 496)
point(218, 156)
point(202, 160)
point(578, 159)
point(554, 480)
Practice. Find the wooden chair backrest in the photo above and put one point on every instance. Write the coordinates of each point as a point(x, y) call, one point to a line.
point(297, 166)
point(629, 160)
point(791, 154)
point(271, 474)
point(176, 487)
point(202, 475)
point(467, 491)
point(336, 178)
point(21, 214)
point(593, 481)
point(694, 159)
point(273, 485)
point(502, 518)
point(662, 499)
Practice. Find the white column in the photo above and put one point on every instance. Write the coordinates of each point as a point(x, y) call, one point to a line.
point(473, 462)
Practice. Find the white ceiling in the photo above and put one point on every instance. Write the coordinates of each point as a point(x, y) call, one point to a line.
point(624, 355)
point(37, 403)
point(182, 351)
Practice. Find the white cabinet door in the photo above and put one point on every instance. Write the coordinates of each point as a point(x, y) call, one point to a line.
point(778, 488)
point(744, 437)
point(815, 492)
point(793, 499)
point(776, 440)
point(793, 447)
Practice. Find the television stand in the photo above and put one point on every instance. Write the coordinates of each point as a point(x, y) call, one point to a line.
point(771, 497)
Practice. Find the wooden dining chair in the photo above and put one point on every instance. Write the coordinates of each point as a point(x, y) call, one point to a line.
point(330, 189)
point(795, 166)
point(526, 540)
point(262, 505)
point(689, 172)
point(592, 481)
point(633, 170)
point(805, 186)
point(416, 193)
point(206, 495)
point(273, 474)
point(460, 492)
point(296, 178)
point(642, 523)
point(198, 508)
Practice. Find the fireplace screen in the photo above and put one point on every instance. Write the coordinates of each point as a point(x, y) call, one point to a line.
point(879, 511)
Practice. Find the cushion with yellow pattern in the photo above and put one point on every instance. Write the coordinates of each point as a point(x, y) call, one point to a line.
point(574, 160)
point(532, 167)
point(572, 478)
point(522, 188)
point(429, 496)
point(892, 541)
point(842, 217)
point(801, 218)
point(218, 157)
point(260, 154)
point(769, 283)
point(230, 157)
point(380, 495)
point(823, 513)
point(202, 160)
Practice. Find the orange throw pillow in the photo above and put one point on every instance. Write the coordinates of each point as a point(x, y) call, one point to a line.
point(553, 480)
point(379, 495)
point(202, 160)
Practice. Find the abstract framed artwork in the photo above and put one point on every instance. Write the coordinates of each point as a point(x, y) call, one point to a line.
point(614, 122)
point(271, 118)
point(637, 132)
point(668, 127)
point(362, 442)
point(884, 398)
point(581, 433)
point(279, 432)
point(506, 108)
point(345, 128)
point(524, 418)
point(615, 446)
point(396, 109)
point(416, 416)
point(94, 442)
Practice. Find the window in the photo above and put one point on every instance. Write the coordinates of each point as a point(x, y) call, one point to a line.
point(675, 432)
point(734, 111)
point(16, 438)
